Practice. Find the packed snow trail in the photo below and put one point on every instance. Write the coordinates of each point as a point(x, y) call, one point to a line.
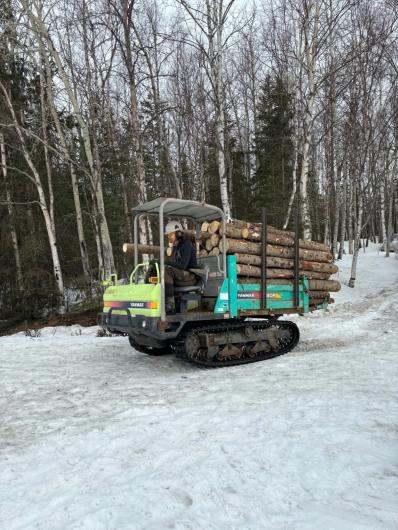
point(96, 436)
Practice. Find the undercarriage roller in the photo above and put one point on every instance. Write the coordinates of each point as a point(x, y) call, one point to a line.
point(230, 343)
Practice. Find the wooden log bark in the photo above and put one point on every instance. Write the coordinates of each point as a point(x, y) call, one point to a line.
point(255, 272)
point(252, 231)
point(242, 246)
point(252, 259)
point(319, 295)
point(281, 238)
point(248, 270)
point(315, 285)
point(232, 230)
point(332, 286)
point(315, 302)
point(204, 226)
point(283, 263)
point(238, 223)
point(315, 266)
point(288, 273)
point(128, 248)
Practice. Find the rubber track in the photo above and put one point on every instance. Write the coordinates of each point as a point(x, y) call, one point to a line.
point(179, 346)
point(155, 352)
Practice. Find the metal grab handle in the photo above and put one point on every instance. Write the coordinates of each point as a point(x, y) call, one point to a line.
point(108, 318)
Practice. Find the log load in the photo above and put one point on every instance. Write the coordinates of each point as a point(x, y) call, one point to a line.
point(241, 246)
point(274, 237)
point(255, 272)
point(250, 259)
point(243, 239)
point(331, 286)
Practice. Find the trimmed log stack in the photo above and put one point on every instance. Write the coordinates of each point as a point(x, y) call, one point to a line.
point(243, 239)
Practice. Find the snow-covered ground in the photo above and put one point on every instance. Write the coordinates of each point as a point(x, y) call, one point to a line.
point(96, 436)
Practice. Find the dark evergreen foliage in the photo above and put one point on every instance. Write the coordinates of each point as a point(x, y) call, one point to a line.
point(274, 151)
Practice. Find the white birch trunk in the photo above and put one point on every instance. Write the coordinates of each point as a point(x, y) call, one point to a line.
point(343, 185)
point(160, 123)
point(305, 210)
point(220, 120)
point(389, 225)
point(73, 177)
point(126, 210)
point(383, 211)
point(310, 51)
point(350, 218)
point(106, 244)
point(98, 241)
point(44, 125)
point(125, 18)
point(95, 179)
point(294, 176)
point(357, 238)
point(10, 208)
point(337, 208)
point(49, 221)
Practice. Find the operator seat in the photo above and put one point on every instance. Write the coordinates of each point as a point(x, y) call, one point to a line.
point(209, 276)
point(184, 292)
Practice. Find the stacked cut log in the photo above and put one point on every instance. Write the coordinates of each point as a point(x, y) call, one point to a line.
point(243, 239)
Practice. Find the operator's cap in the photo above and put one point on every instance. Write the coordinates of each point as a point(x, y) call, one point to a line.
point(172, 226)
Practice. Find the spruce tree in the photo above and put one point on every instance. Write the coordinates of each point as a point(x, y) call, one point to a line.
point(274, 150)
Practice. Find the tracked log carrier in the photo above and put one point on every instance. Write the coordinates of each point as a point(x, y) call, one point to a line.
point(220, 320)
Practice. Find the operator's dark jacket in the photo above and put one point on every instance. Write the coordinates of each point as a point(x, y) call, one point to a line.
point(184, 255)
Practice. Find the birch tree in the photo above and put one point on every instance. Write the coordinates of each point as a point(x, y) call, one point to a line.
point(211, 19)
point(46, 209)
point(11, 214)
point(124, 13)
point(68, 156)
point(42, 33)
point(151, 43)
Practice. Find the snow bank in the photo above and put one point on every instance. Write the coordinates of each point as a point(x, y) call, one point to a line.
point(97, 436)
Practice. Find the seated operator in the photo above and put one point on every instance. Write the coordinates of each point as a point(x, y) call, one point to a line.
point(177, 265)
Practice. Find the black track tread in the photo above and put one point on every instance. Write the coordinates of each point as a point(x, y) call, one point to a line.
point(180, 348)
point(155, 352)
